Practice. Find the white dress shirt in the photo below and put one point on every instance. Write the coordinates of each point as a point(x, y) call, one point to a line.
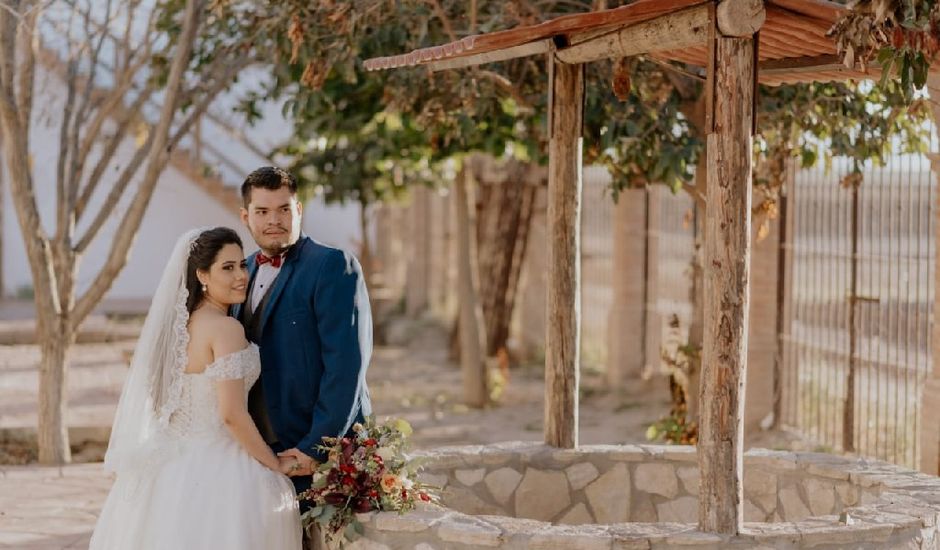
point(264, 278)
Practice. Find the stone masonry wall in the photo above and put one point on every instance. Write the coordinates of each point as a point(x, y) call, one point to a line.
point(526, 495)
point(613, 484)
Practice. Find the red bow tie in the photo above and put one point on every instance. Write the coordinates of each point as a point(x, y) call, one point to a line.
point(261, 259)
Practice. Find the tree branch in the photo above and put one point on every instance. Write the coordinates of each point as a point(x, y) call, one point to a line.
point(114, 196)
point(504, 83)
point(107, 154)
point(29, 42)
point(17, 159)
point(62, 210)
point(445, 22)
point(127, 174)
point(156, 161)
point(107, 111)
point(77, 164)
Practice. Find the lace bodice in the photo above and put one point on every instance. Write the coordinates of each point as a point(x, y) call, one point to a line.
point(198, 411)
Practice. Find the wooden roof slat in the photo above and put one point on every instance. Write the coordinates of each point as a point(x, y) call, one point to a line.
point(637, 12)
point(794, 46)
point(777, 17)
point(793, 28)
point(790, 38)
point(788, 48)
point(515, 52)
point(818, 9)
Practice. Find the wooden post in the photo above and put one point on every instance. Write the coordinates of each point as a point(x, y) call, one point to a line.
point(470, 324)
point(416, 286)
point(929, 411)
point(731, 89)
point(783, 293)
point(563, 334)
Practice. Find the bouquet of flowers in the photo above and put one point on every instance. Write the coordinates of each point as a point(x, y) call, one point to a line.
point(366, 472)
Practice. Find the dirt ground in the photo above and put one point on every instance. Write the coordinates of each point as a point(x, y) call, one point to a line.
point(414, 380)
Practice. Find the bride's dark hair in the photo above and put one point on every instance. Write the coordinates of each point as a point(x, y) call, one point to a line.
point(202, 255)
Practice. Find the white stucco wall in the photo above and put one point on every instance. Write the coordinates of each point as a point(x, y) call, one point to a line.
point(176, 206)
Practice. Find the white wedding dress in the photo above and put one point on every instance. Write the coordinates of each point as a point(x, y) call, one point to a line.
point(197, 488)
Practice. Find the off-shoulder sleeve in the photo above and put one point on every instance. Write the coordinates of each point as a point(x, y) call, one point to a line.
point(234, 365)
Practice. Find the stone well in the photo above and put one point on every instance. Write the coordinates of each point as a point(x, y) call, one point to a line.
point(526, 495)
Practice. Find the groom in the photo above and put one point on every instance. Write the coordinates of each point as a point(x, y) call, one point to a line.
point(301, 311)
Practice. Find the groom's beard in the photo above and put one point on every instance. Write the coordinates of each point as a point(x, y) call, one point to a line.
point(276, 243)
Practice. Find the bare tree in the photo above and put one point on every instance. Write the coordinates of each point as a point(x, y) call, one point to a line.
point(3, 288)
point(150, 55)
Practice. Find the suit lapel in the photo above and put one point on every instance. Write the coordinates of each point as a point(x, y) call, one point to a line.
point(281, 281)
point(252, 270)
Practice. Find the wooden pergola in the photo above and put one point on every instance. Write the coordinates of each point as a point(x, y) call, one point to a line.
point(735, 44)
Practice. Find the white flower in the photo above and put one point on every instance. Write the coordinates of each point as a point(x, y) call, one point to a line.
point(386, 453)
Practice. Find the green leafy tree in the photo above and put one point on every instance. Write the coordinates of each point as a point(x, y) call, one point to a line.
point(643, 119)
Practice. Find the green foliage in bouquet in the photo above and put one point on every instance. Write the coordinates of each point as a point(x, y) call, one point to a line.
point(367, 472)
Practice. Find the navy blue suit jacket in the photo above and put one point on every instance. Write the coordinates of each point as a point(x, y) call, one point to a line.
point(310, 357)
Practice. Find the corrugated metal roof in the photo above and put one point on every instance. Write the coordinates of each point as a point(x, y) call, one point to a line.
point(793, 46)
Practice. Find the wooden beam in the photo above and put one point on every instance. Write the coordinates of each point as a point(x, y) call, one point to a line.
point(672, 31)
point(928, 442)
point(740, 17)
point(826, 62)
point(563, 330)
point(731, 81)
point(523, 50)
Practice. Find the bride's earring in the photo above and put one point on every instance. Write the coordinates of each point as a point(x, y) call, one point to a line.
point(204, 289)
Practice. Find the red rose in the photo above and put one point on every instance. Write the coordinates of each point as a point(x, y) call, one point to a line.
point(424, 497)
point(334, 498)
point(371, 442)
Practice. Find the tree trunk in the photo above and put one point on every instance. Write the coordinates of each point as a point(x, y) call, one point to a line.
point(3, 288)
point(472, 332)
point(731, 87)
point(505, 211)
point(563, 334)
point(697, 290)
point(365, 252)
point(55, 338)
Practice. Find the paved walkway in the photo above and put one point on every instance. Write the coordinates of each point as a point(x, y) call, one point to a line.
point(56, 508)
point(50, 508)
point(95, 377)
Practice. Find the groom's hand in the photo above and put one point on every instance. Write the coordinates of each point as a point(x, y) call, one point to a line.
point(304, 464)
point(287, 465)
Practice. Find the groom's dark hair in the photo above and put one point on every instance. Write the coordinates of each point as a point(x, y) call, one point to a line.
point(268, 177)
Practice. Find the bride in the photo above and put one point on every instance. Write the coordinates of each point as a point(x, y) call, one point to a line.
point(193, 472)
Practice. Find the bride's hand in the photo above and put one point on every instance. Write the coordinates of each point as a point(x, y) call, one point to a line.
point(288, 465)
